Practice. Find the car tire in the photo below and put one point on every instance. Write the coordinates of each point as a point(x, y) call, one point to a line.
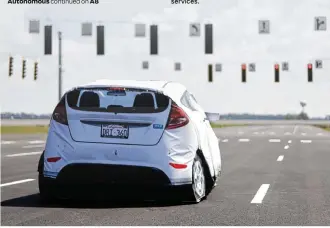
point(44, 189)
point(198, 186)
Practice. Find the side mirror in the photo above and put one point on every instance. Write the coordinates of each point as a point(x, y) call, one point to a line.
point(212, 117)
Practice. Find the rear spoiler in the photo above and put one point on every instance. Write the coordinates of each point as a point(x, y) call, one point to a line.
point(115, 86)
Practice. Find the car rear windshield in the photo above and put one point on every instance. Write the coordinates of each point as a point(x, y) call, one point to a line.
point(117, 100)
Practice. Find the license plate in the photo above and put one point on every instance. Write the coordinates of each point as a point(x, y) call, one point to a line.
point(114, 131)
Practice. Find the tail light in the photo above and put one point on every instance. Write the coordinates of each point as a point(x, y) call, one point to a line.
point(59, 114)
point(178, 117)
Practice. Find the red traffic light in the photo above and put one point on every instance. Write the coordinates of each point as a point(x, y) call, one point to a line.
point(310, 66)
point(277, 66)
point(243, 66)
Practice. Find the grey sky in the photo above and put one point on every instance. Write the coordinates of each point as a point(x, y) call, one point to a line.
point(236, 40)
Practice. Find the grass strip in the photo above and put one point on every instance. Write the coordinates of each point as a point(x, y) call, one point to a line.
point(23, 129)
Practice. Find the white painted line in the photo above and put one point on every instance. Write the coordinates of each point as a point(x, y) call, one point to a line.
point(262, 133)
point(288, 133)
point(306, 141)
point(286, 147)
point(23, 154)
point(241, 132)
point(7, 142)
point(260, 194)
point(303, 133)
point(16, 182)
point(272, 133)
point(280, 158)
point(256, 133)
point(295, 130)
point(36, 142)
point(244, 140)
point(320, 134)
point(290, 141)
point(274, 140)
point(225, 140)
point(33, 146)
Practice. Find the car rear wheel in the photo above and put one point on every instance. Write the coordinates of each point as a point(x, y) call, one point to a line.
point(198, 180)
point(44, 189)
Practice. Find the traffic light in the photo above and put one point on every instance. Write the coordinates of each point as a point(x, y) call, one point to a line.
point(35, 70)
point(244, 72)
point(48, 39)
point(11, 60)
point(310, 72)
point(23, 68)
point(153, 39)
point(210, 72)
point(277, 73)
point(100, 40)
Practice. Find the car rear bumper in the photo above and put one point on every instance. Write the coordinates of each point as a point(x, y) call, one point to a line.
point(105, 180)
point(171, 149)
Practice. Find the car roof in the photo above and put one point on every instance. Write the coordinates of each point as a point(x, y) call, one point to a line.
point(169, 88)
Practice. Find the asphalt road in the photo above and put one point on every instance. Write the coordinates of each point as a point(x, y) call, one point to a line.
point(272, 175)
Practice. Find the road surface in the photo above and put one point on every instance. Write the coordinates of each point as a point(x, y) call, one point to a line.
point(272, 175)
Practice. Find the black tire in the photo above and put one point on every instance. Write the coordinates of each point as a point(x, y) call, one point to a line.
point(45, 190)
point(198, 193)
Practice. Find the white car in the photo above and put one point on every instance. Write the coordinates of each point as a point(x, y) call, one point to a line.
point(126, 132)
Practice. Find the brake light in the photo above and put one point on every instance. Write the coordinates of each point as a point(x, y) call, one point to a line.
point(178, 117)
point(59, 114)
point(117, 88)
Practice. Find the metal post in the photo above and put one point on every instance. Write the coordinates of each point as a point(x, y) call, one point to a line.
point(59, 65)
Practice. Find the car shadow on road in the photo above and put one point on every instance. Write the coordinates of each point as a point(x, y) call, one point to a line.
point(34, 200)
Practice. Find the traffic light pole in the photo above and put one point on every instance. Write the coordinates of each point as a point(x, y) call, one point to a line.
point(59, 66)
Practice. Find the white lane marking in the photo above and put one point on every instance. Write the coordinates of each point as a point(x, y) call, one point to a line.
point(262, 133)
point(36, 142)
point(288, 133)
point(274, 140)
point(272, 133)
point(280, 158)
point(290, 141)
point(286, 147)
point(260, 194)
point(306, 141)
point(303, 133)
point(16, 182)
point(23, 154)
point(244, 140)
point(7, 142)
point(320, 134)
point(295, 130)
point(256, 133)
point(225, 140)
point(241, 132)
point(33, 146)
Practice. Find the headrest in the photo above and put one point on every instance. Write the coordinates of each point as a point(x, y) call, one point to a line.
point(144, 100)
point(89, 100)
point(162, 100)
